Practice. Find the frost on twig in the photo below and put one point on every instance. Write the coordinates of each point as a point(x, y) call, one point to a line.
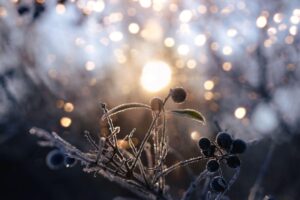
point(119, 160)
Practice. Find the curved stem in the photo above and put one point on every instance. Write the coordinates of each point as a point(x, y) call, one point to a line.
point(148, 134)
point(179, 164)
point(264, 168)
point(193, 186)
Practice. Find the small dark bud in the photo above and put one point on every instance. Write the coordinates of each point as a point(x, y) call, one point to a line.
point(38, 10)
point(224, 140)
point(61, 1)
point(22, 10)
point(238, 146)
point(218, 184)
point(212, 165)
point(55, 159)
point(233, 161)
point(157, 104)
point(178, 95)
point(204, 143)
point(70, 162)
point(210, 151)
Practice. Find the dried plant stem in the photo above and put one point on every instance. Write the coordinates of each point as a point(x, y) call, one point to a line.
point(179, 164)
point(148, 134)
point(187, 195)
point(230, 183)
point(264, 168)
point(135, 184)
point(123, 165)
point(148, 155)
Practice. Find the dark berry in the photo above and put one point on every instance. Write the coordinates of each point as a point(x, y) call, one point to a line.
point(61, 1)
point(55, 159)
point(238, 146)
point(218, 184)
point(157, 104)
point(212, 165)
point(23, 9)
point(70, 162)
point(210, 151)
point(204, 143)
point(224, 140)
point(233, 161)
point(178, 95)
point(38, 10)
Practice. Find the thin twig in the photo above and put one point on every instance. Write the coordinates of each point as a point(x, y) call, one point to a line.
point(193, 185)
point(230, 183)
point(179, 164)
point(148, 134)
point(264, 168)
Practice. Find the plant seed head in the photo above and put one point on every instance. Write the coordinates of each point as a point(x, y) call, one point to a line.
point(156, 104)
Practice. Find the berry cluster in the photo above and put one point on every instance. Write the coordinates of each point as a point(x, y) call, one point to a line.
point(224, 149)
point(57, 159)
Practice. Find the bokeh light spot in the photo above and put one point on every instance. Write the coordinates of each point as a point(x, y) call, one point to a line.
point(155, 76)
point(240, 112)
point(65, 122)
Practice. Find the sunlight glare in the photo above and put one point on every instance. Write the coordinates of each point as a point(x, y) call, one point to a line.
point(155, 76)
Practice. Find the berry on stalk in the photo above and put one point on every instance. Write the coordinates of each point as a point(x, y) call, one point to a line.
point(233, 161)
point(156, 104)
point(55, 159)
point(178, 95)
point(224, 140)
point(210, 151)
point(212, 165)
point(238, 146)
point(218, 184)
point(204, 143)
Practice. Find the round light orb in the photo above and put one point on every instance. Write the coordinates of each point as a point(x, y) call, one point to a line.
point(156, 75)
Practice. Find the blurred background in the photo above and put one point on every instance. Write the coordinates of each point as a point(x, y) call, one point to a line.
point(237, 59)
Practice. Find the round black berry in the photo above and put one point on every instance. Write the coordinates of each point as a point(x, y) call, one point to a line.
point(224, 140)
point(38, 10)
point(70, 162)
point(218, 184)
point(238, 146)
point(210, 151)
point(22, 10)
point(178, 95)
point(55, 159)
point(233, 161)
point(212, 165)
point(157, 104)
point(204, 143)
